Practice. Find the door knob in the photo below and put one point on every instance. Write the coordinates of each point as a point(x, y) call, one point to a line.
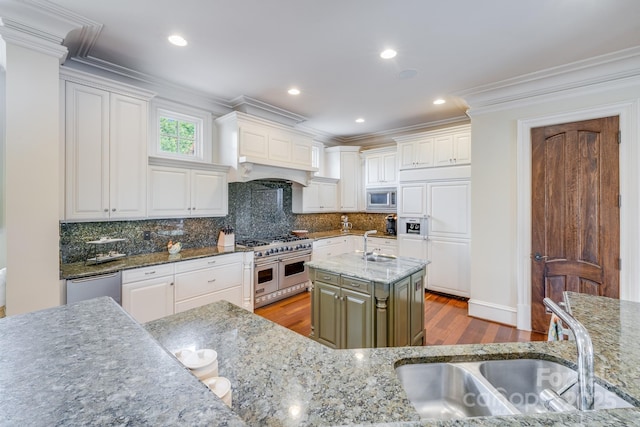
point(539, 257)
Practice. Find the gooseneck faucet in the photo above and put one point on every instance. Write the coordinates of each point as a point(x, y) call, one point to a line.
point(366, 234)
point(585, 355)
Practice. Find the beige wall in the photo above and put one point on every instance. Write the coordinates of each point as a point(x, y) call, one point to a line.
point(494, 205)
point(31, 179)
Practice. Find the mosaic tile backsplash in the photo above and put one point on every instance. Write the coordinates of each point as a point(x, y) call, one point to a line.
point(256, 209)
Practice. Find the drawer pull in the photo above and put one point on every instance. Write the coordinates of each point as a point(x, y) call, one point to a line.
point(326, 277)
point(211, 262)
point(150, 272)
point(355, 285)
point(212, 280)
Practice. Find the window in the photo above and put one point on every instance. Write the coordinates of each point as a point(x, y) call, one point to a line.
point(179, 135)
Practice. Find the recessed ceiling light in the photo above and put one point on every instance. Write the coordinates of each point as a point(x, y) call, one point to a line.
point(439, 101)
point(360, 120)
point(388, 54)
point(177, 40)
point(294, 91)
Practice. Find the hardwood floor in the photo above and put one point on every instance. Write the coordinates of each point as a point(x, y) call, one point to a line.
point(446, 318)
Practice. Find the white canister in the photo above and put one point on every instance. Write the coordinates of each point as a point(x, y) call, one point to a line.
point(221, 387)
point(203, 363)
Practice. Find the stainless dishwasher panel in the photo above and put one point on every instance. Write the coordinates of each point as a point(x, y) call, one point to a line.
point(109, 285)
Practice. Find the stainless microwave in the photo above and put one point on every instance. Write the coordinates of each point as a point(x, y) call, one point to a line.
point(381, 199)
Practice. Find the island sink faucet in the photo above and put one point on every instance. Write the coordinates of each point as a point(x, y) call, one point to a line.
point(585, 355)
point(366, 234)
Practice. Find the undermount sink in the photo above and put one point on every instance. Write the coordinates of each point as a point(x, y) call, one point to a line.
point(496, 387)
point(522, 381)
point(380, 257)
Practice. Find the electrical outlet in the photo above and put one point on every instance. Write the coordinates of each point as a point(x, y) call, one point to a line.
point(147, 235)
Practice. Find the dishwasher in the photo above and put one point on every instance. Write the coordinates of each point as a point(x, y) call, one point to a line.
point(109, 285)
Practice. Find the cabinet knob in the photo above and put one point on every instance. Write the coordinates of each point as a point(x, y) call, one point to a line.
point(336, 297)
point(113, 210)
point(189, 209)
point(106, 210)
point(194, 208)
point(149, 273)
point(171, 284)
point(211, 281)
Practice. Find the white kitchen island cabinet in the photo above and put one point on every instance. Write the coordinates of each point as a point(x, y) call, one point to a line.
point(106, 154)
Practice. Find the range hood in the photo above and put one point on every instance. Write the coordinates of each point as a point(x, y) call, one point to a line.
point(249, 171)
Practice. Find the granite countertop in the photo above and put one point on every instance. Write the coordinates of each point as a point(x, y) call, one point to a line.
point(281, 378)
point(89, 363)
point(354, 265)
point(77, 270)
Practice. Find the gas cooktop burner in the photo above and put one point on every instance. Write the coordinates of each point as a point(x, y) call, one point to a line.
point(278, 245)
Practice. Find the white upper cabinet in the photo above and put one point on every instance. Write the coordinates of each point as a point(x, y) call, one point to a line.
point(412, 200)
point(106, 154)
point(381, 168)
point(179, 192)
point(443, 147)
point(321, 195)
point(344, 164)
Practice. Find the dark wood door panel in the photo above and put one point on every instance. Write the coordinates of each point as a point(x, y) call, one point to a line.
point(575, 213)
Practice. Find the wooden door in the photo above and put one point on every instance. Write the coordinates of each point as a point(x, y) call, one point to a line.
point(575, 212)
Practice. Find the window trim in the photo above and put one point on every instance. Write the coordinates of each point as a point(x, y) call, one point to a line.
point(202, 120)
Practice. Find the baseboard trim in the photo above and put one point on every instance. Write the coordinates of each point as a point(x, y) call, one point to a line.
point(493, 312)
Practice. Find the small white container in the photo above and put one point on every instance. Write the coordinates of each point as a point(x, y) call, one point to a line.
point(221, 387)
point(203, 363)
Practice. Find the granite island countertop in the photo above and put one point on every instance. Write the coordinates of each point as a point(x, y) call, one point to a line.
point(89, 363)
point(354, 265)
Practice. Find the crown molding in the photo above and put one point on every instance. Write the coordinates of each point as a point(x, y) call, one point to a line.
point(33, 42)
point(256, 107)
point(620, 65)
point(81, 77)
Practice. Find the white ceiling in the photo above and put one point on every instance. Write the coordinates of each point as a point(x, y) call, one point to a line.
point(329, 49)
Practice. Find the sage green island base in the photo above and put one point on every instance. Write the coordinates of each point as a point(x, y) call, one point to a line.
point(356, 303)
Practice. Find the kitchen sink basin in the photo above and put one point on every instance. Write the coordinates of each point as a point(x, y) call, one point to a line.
point(522, 381)
point(380, 258)
point(496, 387)
point(447, 391)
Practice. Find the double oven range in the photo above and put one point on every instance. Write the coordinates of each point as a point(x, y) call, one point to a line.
point(279, 267)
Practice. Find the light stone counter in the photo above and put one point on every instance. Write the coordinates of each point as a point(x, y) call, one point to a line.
point(89, 363)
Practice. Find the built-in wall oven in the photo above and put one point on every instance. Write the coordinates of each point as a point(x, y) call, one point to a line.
point(280, 269)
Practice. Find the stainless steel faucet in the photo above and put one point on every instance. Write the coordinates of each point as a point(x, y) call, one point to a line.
point(366, 234)
point(585, 355)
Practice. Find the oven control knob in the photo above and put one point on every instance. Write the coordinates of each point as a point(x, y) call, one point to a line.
point(259, 254)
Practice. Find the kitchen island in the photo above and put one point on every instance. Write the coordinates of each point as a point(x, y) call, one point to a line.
point(363, 302)
point(89, 363)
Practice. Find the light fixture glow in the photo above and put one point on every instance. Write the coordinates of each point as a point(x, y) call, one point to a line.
point(439, 101)
point(360, 120)
point(294, 91)
point(177, 40)
point(388, 54)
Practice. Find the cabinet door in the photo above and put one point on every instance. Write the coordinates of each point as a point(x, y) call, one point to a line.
point(424, 153)
point(327, 306)
point(400, 312)
point(128, 157)
point(254, 142)
point(412, 246)
point(357, 319)
point(389, 169)
point(374, 170)
point(444, 151)
point(208, 193)
point(412, 200)
point(87, 152)
point(328, 195)
point(311, 197)
point(383, 246)
point(301, 152)
point(148, 300)
point(462, 148)
point(349, 185)
point(169, 194)
point(449, 209)
point(450, 265)
point(416, 309)
point(407, 153)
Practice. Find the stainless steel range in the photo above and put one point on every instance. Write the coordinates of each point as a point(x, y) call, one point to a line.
point(279, 267)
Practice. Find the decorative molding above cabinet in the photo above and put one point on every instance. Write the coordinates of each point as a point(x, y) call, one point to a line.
point(443, 147)
point(255, 148)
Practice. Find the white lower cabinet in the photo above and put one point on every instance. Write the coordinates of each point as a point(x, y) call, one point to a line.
point(325, 248)
point(206, 280)
point(382, 246)
point(150, 293)
point(147, 293)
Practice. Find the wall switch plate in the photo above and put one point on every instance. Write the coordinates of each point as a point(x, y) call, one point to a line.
point(147, 235)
